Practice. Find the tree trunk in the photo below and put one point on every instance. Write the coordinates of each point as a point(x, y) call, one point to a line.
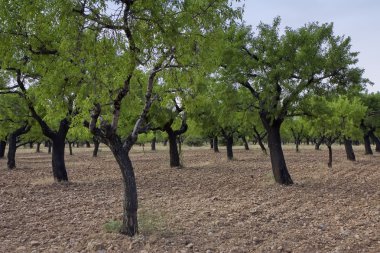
point(12, 146)
point(70, 147)
point(96, 148)
point(297, 145)
point(130, 225)
point(367, 145)
point(229, 143)
point(88, 144)
point(215, 144)
point(376, 140)
point(49, 147)
point(153, 144)
point(58, 159)
point(3, 144)
point(38, 147)
point(246, 147)
point(349, 150)
point(31, 144)
point(211, 143)
point(173, 149)
point(280, 171)
point(329, 164)
point(165, 142)
point(318, 143)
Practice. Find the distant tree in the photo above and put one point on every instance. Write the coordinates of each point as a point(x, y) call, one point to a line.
point(371, 122)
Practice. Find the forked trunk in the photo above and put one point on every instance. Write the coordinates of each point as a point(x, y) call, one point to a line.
point(3, 144)
point(329, 164)
point(58, 159)
point(367, 145)
point(215, 144)
point(130, 225)
point(173, 150)
point(229, 144)
point(246, 147)
point(96, 148)
point(376, 140)
point(280, 171)
point(349, 150)
point(12, 146)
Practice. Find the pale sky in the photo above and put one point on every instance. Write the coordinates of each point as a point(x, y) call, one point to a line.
point(359, 19)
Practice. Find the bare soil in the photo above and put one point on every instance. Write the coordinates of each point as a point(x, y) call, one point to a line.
point(210, 205)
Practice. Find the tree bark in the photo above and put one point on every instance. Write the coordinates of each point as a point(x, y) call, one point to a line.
point(31, 144)
point(173, 149)
point(367, 144)
point(96, 147)
point(70, 147)
point(259, 138)
point(318, 143)
point(297, 146)
point(349, 150)
point(246, 147)
point(12, 146)
point(58, 159)
point(3, 144)
point(376, 140)
point(38, 150)
point(130, 206)
point(279, 168)
point(153, 144)
point(329, 164)
point(215, 144)
point(211, 141)
point(88, 145)
point(229, 144)
point(49, 147)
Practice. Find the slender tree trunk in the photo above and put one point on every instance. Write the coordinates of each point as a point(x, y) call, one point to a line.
point(153, 144)
point(367, 145)
point(58, 159)
point(12, 146)
point(49, 147)
point(96, 147)
point(211, 140)
point(376, 140)
point(70, 147)
point(246, 147)
point(165, 142)
point(173, 149)
point(349, 150)
point(130, 206)
point(88, 145)
point(38, 150)
point(3, 144)
point(31, 144)
point(329, 164)
point(229, 144)
point(307, 141)
point(78, 144)
point(215, 144)
point(279, 168)
point(297, 145)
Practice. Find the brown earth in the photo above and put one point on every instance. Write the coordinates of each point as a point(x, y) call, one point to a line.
point(210, 205)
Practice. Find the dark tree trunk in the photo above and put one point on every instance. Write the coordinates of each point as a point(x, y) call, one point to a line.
point(215, 144)
point(31, 144)
point(173, 149)
point(38, 147)
point(96, 147)
point(307, 141)
point(318, 143)
point(130, 225)
point(259, 138)
point(88, 144)
point(70, 147)
point(12, 146)
point(3, 144)
point(153, 144)
point(49, 147)
point(211, 140)
point(246, 147)
point(58, 158)
point(376, 140)
point(279, 168)
point(165, 142)
point(297, 145)
point(349, 150)
point(367, 145)
point(329, 164)
point(77, 144)
point(229, 144)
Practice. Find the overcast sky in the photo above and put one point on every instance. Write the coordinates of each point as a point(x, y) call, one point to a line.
point(359, 19)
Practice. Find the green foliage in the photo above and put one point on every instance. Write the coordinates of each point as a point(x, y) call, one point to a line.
point(113, 226)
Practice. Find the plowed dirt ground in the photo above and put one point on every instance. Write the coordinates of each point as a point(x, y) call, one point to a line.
point(210, 205)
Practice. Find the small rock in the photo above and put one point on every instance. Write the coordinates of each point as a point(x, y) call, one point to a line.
point(34, 243)
point(190, 245)
point(21, 249)
point(280, 248)
point(357, 236)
